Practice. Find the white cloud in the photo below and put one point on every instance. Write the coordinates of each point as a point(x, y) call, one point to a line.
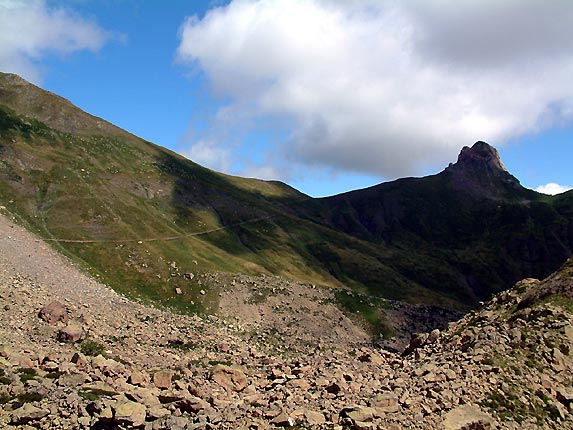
point(30, 30)
point(209, 154)
point(552, 189)
point(387, 87)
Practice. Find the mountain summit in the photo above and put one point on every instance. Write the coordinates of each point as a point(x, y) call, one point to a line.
point(149, 221)
point(479, 170)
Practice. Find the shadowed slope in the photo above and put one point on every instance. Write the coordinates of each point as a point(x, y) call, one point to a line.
point(142, 217)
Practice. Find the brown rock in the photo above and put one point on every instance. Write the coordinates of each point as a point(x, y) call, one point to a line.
point(138, 378)
point(283, 420)
point(228, 377)
point(162, 379)
point(314, 418)
point(71, 333)
point(386, 402)
point(467, 417)
point(53, 313)
point(131, 413)
point(27, 413)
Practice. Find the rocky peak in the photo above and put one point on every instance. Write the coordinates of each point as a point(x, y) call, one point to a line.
point(480, 168)
point(480, 156)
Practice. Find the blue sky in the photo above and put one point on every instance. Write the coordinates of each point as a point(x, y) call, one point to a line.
point(326, 95)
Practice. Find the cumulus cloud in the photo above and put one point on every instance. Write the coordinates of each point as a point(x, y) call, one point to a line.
point(553, 188)
point(208, 153)
point(30, 30)
point(388, 88)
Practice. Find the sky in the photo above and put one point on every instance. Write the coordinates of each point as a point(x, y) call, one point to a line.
point(326, 95)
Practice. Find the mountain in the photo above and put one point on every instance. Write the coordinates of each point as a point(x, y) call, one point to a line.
point(146, 220)
point(75, 354)
point(469, 231)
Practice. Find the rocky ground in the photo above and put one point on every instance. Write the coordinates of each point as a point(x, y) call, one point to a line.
point(75, 355)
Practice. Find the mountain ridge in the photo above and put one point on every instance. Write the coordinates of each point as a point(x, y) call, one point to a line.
point(425, 240)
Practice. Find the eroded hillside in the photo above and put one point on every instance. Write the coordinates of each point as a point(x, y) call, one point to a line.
point(95, 359)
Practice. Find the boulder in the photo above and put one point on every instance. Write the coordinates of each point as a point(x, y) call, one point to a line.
point(128, 412)
point(162, 379)
point(53, 313)
point(314, 418)
point(138, 378)
point(386, 402)
point(27, 413)
point(229, 377)
point(71, 333)
point(283, 420)
point(467, 417)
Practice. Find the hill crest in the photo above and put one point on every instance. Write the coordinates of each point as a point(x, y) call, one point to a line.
point(142, 217)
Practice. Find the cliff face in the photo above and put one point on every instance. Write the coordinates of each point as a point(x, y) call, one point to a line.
point(480, 171)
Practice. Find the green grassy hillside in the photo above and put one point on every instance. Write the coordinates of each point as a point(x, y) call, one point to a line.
point(146, 220)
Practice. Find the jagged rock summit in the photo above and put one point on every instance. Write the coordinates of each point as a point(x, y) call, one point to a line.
point(480, 169)
point(481, 155)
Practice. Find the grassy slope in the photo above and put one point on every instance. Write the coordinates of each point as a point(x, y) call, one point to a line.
point(114, 188)
point(71, 175)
